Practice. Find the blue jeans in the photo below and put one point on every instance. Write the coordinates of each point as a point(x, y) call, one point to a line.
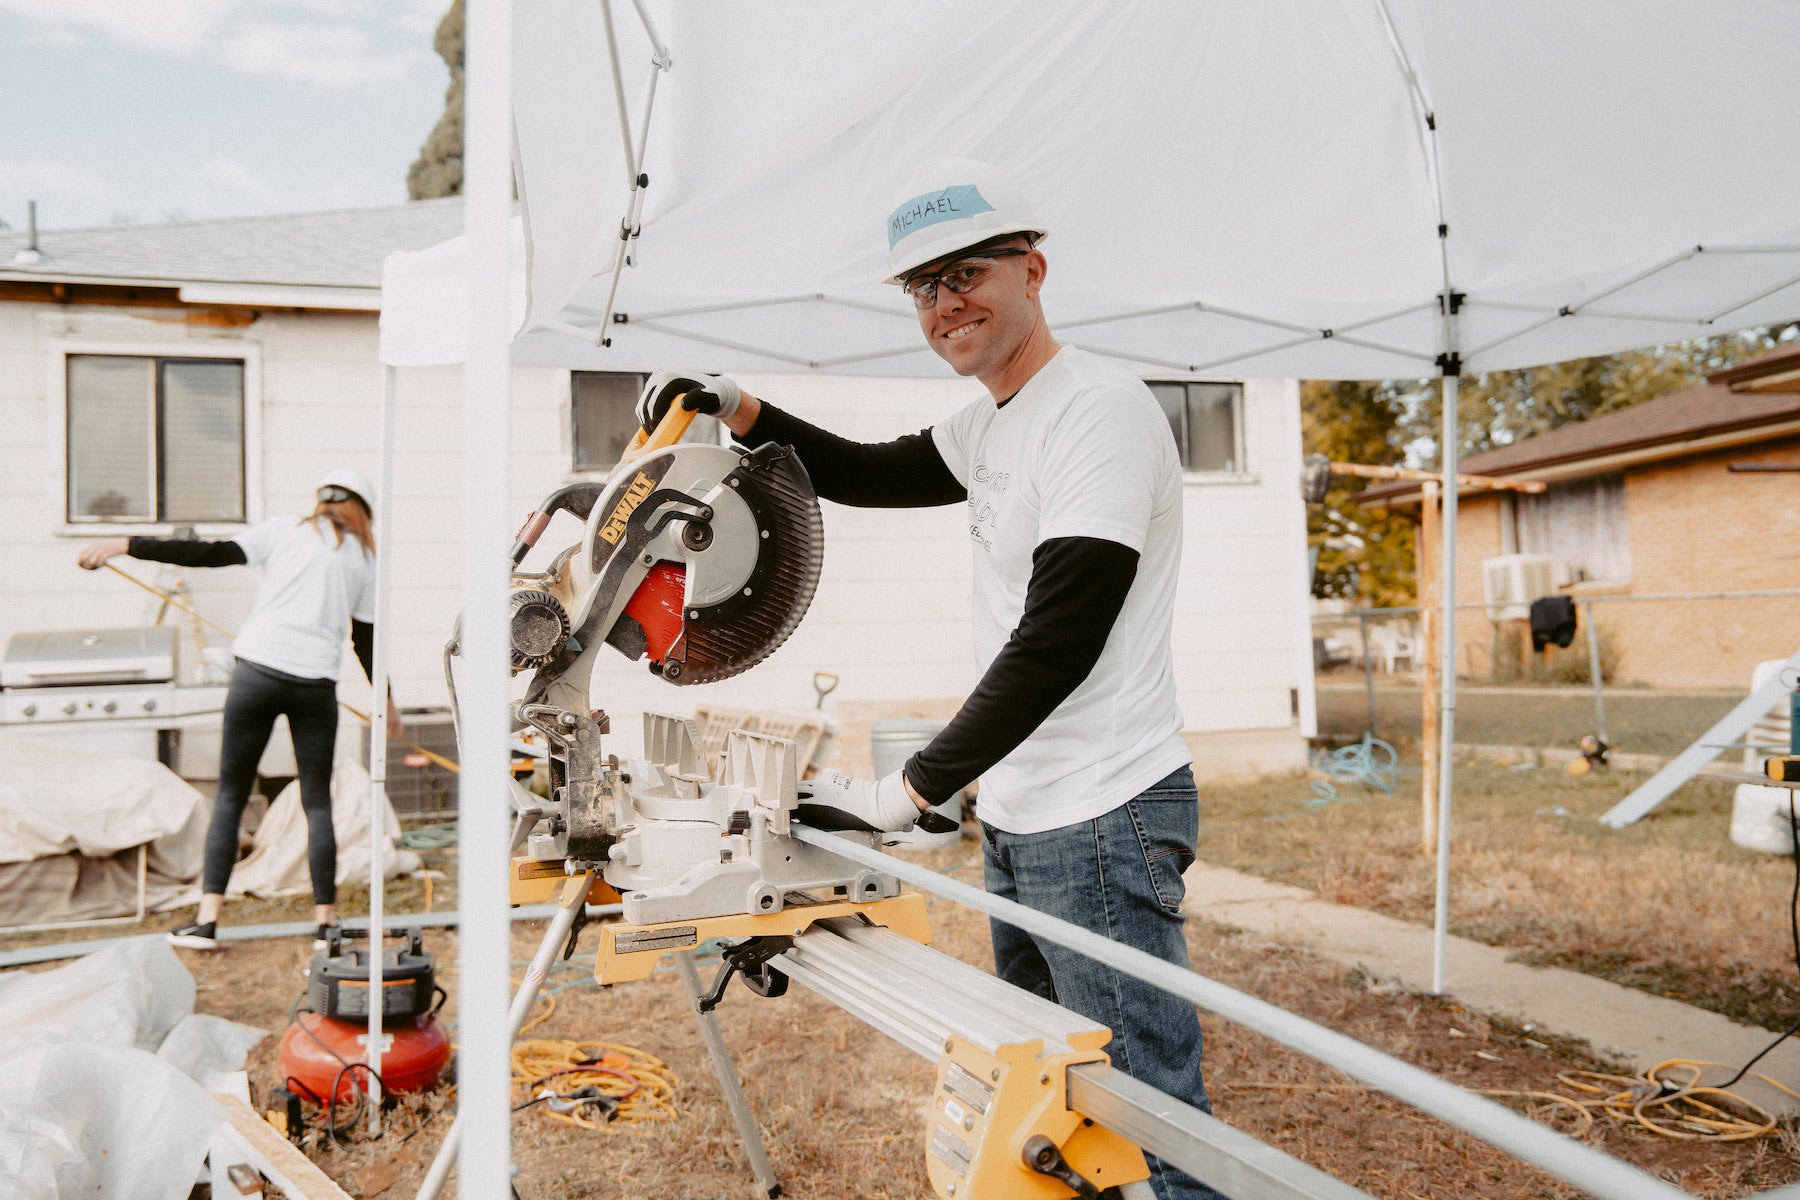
point(1118, 875)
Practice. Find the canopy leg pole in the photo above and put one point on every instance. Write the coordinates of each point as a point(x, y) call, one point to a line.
point(483, 1076)
point(1447, 722)
point(378, 723)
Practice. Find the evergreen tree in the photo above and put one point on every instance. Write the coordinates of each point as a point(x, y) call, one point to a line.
point(438, 169)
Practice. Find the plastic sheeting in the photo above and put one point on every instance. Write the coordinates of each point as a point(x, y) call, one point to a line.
point(100, 1059)
point(70, 825)
point(276, 864)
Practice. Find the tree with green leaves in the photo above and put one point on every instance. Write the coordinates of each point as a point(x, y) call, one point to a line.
point(1363, 554)
point(438, 170)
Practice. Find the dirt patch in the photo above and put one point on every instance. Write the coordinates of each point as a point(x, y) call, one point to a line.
point(840, 1105)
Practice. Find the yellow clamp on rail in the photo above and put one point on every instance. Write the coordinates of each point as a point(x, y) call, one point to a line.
point(987, 1106)
point(1785, 769)
point(539, 880)
point(674, 423)
point(630, 952)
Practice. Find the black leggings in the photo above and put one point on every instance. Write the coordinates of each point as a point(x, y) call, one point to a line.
point(256, 698)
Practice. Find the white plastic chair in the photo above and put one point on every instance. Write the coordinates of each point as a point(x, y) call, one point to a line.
point(1393, 643)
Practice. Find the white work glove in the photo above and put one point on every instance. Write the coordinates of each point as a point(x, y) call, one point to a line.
point(714, 395)
point(836, 801)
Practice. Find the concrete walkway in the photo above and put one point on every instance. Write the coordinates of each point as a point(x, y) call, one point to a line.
point(1618, 1022)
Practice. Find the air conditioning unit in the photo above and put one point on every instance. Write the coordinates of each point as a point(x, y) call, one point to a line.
point(1511, 582)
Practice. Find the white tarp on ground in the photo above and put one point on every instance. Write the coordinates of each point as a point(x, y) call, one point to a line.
point(276, 864)
point(70, 826)
point(108, 1073)
point(1224, 182)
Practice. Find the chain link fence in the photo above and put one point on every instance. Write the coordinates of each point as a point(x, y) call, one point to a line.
point(1646, 674)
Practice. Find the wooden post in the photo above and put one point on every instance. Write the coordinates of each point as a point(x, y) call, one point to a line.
point(1425, 556)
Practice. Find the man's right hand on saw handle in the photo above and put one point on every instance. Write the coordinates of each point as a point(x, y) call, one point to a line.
point(715, 395)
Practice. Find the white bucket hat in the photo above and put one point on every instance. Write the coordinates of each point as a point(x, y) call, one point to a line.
point(952, 204)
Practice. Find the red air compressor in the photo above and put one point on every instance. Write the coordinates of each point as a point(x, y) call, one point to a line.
point(322, 1047)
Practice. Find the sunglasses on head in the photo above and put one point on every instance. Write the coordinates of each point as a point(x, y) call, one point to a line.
point(961, 276)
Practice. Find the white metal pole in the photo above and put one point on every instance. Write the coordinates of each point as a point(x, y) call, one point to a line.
point(378, 716)
point(1305, 690)
point(1447, 715)
point(483, 1073)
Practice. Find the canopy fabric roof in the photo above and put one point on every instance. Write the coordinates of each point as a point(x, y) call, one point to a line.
point(1240, 188)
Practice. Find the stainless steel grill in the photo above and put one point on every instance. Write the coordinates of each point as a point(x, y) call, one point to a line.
point(116, 687)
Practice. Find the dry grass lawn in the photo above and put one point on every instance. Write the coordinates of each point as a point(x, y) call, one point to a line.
point(1669, 904)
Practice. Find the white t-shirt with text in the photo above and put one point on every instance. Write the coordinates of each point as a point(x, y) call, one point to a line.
point(1083, 450)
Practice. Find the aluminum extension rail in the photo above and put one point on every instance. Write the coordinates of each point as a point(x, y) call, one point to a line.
point(922, 998)
point(1592, 1170)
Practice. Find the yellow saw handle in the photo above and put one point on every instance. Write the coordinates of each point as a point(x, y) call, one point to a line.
point(675, 422)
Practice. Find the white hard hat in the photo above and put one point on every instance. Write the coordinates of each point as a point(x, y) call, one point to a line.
point(351, 480)
point(952, 204)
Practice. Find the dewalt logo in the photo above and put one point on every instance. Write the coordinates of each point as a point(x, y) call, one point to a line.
point(614, 529)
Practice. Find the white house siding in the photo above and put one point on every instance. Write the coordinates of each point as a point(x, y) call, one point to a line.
point(891, 614)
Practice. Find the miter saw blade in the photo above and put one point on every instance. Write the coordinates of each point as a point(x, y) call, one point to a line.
point(710, 557)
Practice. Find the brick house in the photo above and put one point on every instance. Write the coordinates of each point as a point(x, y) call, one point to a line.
point(1643, 502)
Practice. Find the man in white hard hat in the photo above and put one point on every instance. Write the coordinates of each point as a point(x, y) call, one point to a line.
point(1073, 492)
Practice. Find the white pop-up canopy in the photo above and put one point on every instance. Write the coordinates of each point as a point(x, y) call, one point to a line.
point(1343, 189)
point(1245, 188)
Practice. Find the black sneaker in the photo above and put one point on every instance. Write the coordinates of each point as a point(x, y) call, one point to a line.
point(195, 936)
point(319, 936)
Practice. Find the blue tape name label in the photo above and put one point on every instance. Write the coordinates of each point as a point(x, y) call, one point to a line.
point(947, 204)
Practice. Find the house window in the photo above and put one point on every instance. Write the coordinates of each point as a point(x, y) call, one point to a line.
point(1206, 420)
point(1581, 525)
point(154, 440)
point(603, 418)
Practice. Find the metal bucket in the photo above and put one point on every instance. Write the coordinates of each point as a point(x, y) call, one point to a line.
point(891, 743)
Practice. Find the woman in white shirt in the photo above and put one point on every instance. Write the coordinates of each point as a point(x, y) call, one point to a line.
point(318, 587)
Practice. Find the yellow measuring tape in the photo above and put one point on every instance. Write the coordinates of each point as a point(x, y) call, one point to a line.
point(167, 598)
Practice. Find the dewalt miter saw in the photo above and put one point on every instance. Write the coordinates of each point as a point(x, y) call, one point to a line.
point(702, 559)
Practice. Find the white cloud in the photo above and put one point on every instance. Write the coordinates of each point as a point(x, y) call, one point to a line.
point(330, 55)
point(177, 26)
point(230, 187)
point(421, 16)
point(324, 42)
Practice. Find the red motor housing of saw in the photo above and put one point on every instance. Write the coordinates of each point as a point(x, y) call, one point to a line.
point(657, 606)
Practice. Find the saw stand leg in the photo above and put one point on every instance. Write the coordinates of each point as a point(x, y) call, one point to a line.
point(570, 904)
point(728, 1078)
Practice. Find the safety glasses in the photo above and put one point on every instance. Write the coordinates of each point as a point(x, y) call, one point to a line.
point(331, 493)
point(961, 277)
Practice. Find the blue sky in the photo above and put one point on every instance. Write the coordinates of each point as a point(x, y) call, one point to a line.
point(154, 110)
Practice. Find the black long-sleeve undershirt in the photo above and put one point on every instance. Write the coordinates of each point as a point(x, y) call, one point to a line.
point(1077, 589)
point(190, 552)
point(907, 472)
point(187, 552)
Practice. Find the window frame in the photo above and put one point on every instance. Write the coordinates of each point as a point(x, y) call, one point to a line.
point(597, 471)
point(1240, 434)
point(248, 354)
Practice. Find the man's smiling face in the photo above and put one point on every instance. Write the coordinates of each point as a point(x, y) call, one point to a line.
point(978, 332)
